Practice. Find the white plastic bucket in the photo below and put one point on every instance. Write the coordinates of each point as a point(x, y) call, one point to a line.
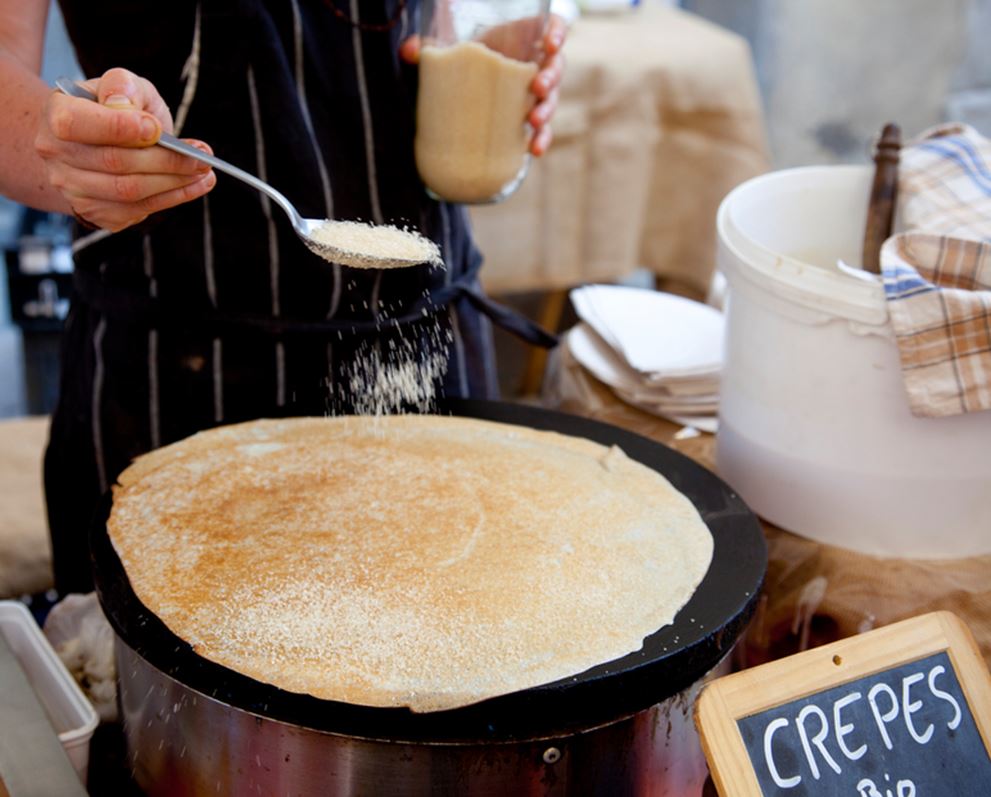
point(815, 431)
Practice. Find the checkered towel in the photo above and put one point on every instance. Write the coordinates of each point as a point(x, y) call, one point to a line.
point(937, 272)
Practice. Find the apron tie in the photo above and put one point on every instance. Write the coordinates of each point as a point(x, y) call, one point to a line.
point(510, 320)
point(127, 305)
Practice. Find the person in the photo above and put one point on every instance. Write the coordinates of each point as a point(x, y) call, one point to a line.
point(194, 302)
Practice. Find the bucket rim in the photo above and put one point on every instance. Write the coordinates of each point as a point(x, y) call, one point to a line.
point(842, 291)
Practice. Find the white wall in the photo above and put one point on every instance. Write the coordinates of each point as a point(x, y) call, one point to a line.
point(832, 72)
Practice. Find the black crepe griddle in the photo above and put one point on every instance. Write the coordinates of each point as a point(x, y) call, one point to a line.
point(671, 659)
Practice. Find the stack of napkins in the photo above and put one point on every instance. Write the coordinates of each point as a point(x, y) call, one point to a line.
point(659, 352)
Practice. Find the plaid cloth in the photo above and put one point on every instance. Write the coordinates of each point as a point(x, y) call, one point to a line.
point(937, 272)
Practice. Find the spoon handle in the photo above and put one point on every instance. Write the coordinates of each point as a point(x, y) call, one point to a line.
point(73, 89)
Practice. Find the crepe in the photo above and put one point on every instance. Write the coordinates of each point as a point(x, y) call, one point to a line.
point(421, 561)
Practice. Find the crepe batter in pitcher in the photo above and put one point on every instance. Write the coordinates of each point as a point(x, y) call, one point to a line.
point(471, 136)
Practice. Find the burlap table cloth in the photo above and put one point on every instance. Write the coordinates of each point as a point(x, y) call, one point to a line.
point(659, 118)
point(814, 593)
point(25, 556)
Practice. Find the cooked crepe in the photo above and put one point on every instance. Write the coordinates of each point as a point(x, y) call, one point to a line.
point(420, 561)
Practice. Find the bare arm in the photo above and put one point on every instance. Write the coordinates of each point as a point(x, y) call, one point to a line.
point(23, 176)
point(93, 159)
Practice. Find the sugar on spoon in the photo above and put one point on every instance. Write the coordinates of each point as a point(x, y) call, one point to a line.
point(374, 246)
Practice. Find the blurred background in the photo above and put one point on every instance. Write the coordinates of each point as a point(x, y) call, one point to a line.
point(830, 73)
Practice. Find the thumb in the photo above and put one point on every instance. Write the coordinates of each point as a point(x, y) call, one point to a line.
point(119, 88)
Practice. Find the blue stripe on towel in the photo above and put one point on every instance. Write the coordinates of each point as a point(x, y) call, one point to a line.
point(984, 184)
point(901, 283)
point(980, 166)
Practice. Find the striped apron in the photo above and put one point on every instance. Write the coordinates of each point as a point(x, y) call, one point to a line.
point(214, 312)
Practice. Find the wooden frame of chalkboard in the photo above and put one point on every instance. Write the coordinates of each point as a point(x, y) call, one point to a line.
point(869, 716)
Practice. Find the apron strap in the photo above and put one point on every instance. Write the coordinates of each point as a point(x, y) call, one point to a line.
point(510, 320)
point(128, 305)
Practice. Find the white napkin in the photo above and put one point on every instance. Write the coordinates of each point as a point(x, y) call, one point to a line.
point(657, 334)
point(659, 352)
point(697, 408)
point(602, 361)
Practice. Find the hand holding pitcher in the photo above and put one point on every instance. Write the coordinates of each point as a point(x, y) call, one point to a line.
point(482, 65)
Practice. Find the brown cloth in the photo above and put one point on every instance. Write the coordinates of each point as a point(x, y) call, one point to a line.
point(813, 593)
point(659, 117)
point(25, 556)
point(937, 272)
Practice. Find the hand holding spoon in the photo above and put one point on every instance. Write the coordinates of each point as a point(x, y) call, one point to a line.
point(379, 246)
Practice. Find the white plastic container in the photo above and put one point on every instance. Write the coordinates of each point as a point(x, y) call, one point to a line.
point(70, 713)
point(815, 431)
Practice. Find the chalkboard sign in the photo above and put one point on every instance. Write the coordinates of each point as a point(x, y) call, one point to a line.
point(903, 711)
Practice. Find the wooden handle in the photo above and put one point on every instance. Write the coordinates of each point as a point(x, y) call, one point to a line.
point(884, 191)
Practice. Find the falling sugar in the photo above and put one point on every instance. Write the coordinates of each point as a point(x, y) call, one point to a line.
point(398, 374)
point(401, 368)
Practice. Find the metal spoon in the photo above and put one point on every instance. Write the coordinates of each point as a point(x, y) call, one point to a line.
point(304, 228)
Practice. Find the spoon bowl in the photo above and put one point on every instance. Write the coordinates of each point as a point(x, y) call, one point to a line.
point(306, 229)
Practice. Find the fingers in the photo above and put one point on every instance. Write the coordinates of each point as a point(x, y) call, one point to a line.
point(119, 87)
point(541, 141)
point(129, 113)
point(121, 90)
point(409, 50)
point(116, 216)
point(117, 188)
point(555, 34)
point(123, 160)
point(545, 84)
point(99, 154)
point(549, 76)
point(80, 121)
point(113, 187)
point(543, 111)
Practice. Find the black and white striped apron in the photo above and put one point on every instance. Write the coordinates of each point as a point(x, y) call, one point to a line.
point(214, 312)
